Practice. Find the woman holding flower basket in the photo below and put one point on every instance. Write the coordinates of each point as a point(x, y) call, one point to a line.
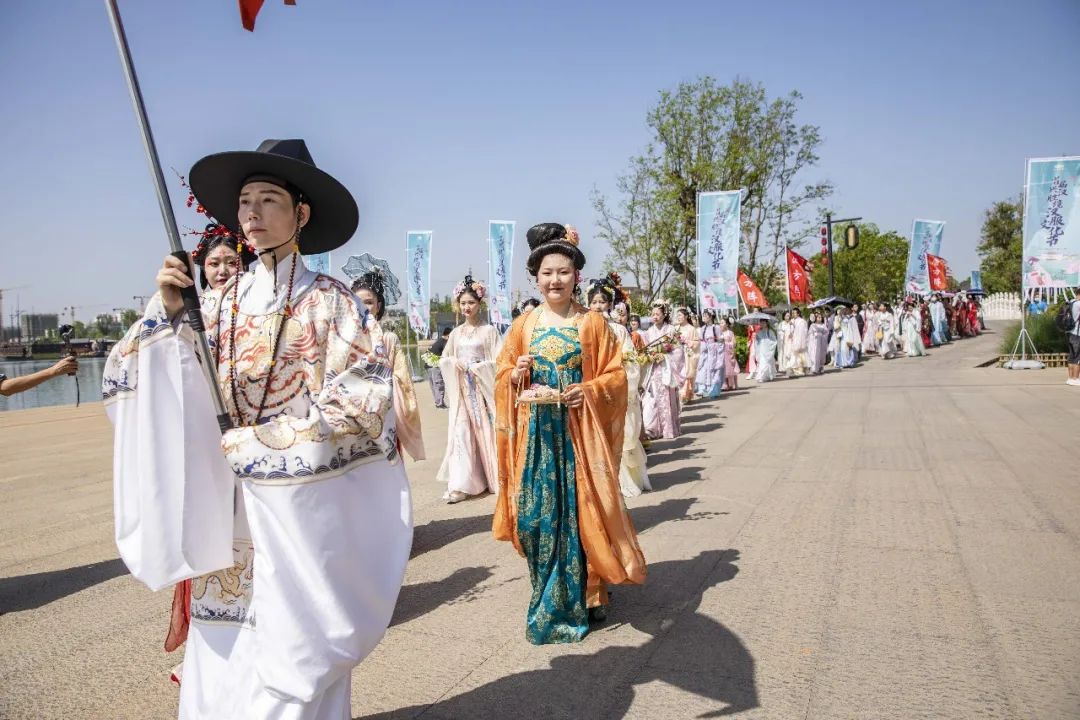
point(469, 467)
point(561, 397)
point(604, 296)
point(664, 375)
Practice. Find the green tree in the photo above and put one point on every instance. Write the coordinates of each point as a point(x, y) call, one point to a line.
point(872, 272)
point(1002, 246)
point(708, 137)
point(129, 318)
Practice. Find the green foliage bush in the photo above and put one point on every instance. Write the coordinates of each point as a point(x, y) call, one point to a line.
point(1044, 334)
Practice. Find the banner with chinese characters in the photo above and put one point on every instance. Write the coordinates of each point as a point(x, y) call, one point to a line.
point(718, 231)
point(976, 280)
point(798, 278)
point(925, 239)
point(500, 259)
point(1052, 223)
point(751, 293)
point(318, 263)
point(417, 280)
point(937, 273)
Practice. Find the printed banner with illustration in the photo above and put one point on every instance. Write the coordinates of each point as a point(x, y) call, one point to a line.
point(718, 231)
point(798, 278)
point(937, 271)
point(418, 280)
point(976, 280)
point(318, 263)
point(500, 259)
point(1052, 223)
point(925, 239)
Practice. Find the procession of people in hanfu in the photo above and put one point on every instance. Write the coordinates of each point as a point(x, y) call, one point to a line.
point(284, 538)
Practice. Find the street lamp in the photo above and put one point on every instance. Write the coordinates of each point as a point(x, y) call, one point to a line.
point(851, 240)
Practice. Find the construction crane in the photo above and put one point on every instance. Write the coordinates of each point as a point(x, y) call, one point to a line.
point(141, 299)
point(2, 290)
point(72, 308)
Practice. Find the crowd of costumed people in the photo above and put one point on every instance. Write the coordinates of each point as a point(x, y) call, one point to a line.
point(802, 342)
point(553, 417)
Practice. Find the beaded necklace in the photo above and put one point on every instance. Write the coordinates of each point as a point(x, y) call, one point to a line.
point(235, 310)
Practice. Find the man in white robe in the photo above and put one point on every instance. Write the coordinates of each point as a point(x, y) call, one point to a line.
point(295, 525)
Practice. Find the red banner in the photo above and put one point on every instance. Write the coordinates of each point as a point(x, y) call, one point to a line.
point(249, 10)
point(938, 270)
point(798, 278)
point(750, 292)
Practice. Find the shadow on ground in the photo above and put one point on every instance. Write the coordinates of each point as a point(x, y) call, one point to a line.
point(420, 599)
point(685, 649)
point(28, 592)
point(440, 533)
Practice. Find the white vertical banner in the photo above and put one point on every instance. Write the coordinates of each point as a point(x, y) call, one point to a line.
point(417, 280)
point(500, 264)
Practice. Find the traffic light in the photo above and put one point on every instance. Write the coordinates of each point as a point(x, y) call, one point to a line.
point(851, 237)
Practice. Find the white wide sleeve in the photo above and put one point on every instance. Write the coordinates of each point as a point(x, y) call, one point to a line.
point(172, 489)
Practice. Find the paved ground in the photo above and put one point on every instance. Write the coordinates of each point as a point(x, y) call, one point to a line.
point(897, 541)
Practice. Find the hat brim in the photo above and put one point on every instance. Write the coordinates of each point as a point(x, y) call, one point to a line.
point(216, 183)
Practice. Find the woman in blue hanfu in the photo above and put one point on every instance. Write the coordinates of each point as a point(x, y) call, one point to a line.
point(300, 514)
point(560, 393)
point(764, 350)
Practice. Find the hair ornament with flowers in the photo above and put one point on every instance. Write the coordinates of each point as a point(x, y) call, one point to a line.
point(214, 232)
point(475, 287)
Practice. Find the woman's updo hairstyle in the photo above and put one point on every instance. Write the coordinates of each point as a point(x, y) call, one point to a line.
point(601, 286)
point(472, 287)
point(548, 238)
point(665, 309)
point(374, 283)
point(210, 238)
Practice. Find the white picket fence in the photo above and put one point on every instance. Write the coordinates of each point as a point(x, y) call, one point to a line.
point(1001, 306)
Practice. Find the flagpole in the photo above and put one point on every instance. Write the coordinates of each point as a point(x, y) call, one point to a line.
point(787, 272)
point(189, 294)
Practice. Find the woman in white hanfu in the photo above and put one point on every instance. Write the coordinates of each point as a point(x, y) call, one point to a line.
point(374, 285)
point(296, 523)
point(913, 342)
point(633, 475)
point(764, 350)
point(798, 337)
point(886, 332)
point(783, 343)
point(816, 343)
point(469, 467)
point(660, 405)
point(869, 338)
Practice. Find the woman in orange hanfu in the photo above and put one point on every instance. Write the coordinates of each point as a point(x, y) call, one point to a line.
point(560, 397)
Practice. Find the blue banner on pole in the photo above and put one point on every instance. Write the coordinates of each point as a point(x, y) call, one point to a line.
point(718, 234)
point(1052, 223)
point(500, 259)
point(925, 238)
point(318, 263)
point(418, 279)
point(976, 280)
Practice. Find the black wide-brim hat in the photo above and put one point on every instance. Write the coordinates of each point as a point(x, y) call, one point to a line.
point(217, 179)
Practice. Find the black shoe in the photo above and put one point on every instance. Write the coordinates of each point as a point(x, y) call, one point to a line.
point(598, 614)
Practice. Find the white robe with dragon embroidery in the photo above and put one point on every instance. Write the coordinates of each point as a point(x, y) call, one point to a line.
point(296, 530)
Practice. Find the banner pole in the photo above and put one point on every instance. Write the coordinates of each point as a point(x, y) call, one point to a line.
point(189, 294)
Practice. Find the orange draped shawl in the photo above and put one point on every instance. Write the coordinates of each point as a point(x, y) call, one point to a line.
point(596, 432)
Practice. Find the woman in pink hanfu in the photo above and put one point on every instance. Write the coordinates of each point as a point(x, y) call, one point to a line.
point(660, 404)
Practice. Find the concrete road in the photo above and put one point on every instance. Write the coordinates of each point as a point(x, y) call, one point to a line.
point(901, 540)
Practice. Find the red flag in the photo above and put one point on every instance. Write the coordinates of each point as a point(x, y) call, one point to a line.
point(938, 270)
point(250, 8)
point(798, 278)
point(751, 293)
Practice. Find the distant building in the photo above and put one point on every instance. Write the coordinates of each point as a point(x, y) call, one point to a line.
point(37, 325)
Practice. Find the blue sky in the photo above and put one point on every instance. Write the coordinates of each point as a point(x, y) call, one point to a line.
point(444, 115)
